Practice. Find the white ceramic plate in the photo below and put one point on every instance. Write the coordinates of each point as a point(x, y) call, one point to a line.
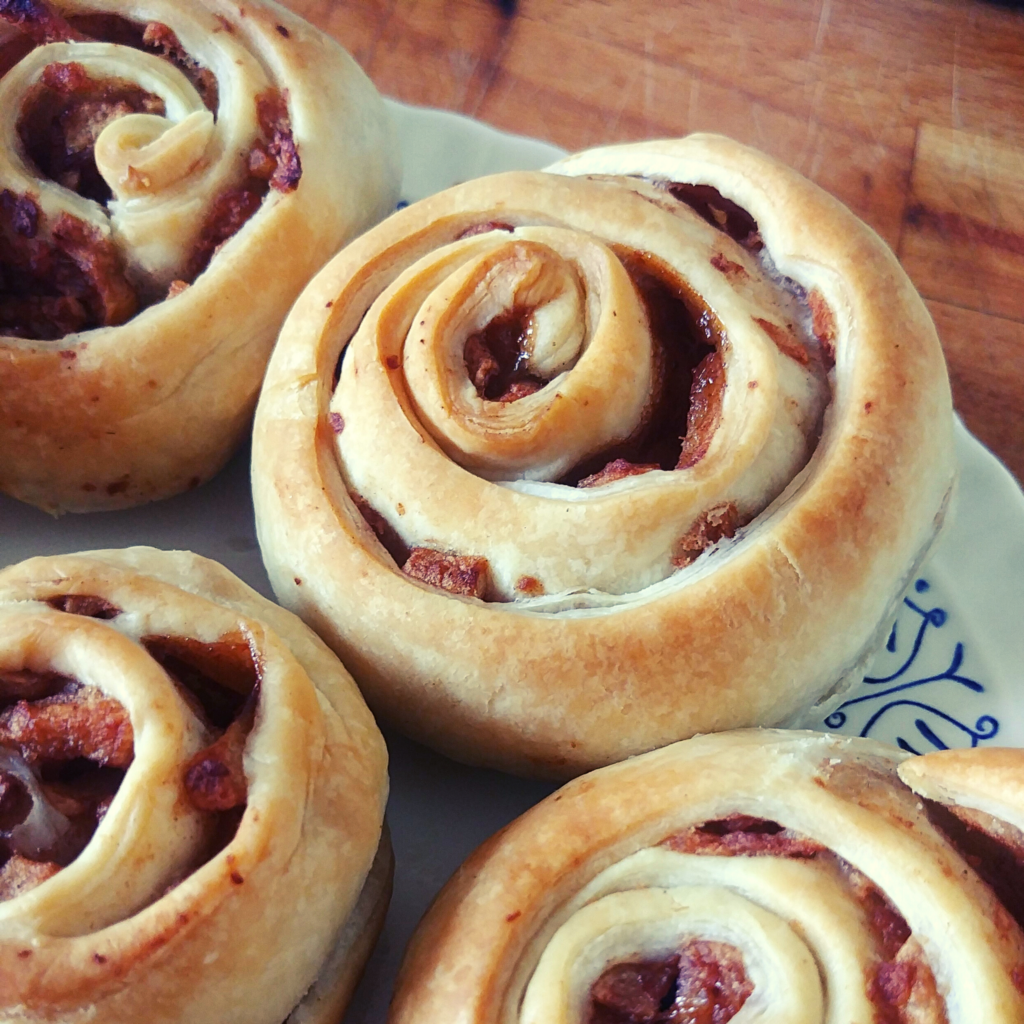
point(950, 675)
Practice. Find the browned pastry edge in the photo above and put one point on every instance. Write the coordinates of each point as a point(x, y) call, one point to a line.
point(326, 1001)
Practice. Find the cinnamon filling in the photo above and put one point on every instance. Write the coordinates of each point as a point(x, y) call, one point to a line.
point(887, 924)
point(230, 210)
point(903, 991)
point(711, 526)
point(530, 586)
point(75, 279)
point(277, 158)
point(994, 849)
point(20, 874)
point(216, 679)
point(30, 684)
point(76, 722)
point(785, 340)
point(215, 777)
point(707, 202)
point(823, 323)
point(684, 415)
point(13, 50)
point(272, 163)
point(686, 337)
point(64, 748)
point(73, 282)
point(690, 376)
point(84, 604)
point(742, 835)
point(704, 983)
point(738, 224)
point(221, 682)
point(617, 469)
point(38, 21)
point(482, 229)
point(733, 270)
point(157, 36)
point(705, 410)
point(64, 115)
point(466, 575)
point(385, 532)
point(497, 358)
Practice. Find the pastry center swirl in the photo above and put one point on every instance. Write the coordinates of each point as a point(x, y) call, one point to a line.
point(586, 409)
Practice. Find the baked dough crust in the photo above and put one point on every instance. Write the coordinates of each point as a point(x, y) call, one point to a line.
point(769, 629)
point(326, 1000)
point(120, 415)
point(577, 865)
point(299, 890)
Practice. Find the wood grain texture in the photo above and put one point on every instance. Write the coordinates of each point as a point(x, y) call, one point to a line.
point(963, 239)
point(984, 352)
point(910, 111)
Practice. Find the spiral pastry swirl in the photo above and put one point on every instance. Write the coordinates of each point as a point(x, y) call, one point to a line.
point(191, 800)
point(754, 875)
point(171, 176)
point(604, 447)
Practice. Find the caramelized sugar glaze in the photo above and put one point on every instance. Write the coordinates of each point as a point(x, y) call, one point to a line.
point(674, 424)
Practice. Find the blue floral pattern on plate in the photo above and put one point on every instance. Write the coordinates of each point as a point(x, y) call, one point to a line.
point(918, 679)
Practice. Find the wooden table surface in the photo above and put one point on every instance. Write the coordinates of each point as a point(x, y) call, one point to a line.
point(910, 111)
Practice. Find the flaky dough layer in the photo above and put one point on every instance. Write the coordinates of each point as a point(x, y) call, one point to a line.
point(150, 921)
point(119, 415)
point(594, 639)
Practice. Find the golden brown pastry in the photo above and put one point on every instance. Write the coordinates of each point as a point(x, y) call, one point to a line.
point(755, 875)
point(191, 800)
point(171, 176)
point(569, 465)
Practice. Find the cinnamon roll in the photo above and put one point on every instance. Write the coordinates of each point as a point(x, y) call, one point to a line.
point(171, 176)
point(191, 800)
point(568, 465)
point(753, 875)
